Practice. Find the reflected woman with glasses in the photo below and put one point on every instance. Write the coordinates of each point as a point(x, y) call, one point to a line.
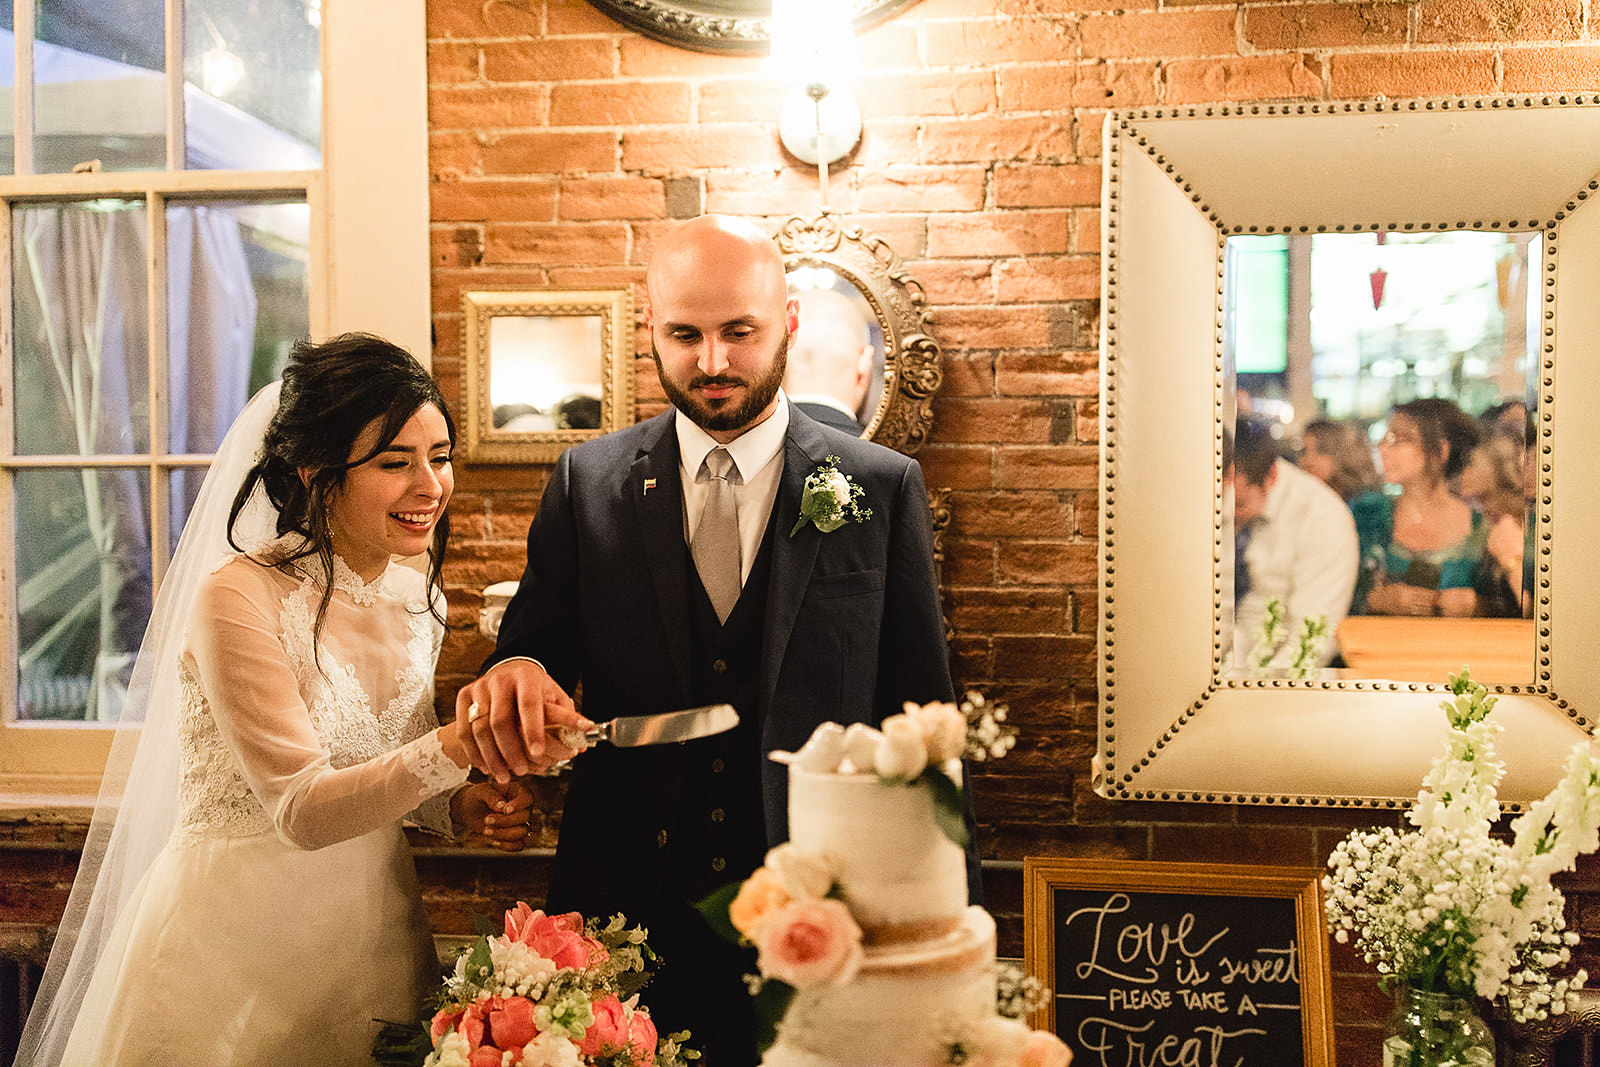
point(1420, 550)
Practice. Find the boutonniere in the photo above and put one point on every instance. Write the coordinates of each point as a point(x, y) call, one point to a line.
point(831, 499)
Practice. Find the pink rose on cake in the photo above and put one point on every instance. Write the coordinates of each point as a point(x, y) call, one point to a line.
point(810, 941)
point(1005, 1042)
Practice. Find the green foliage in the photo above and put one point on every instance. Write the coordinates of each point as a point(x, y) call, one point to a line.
point(715, 910)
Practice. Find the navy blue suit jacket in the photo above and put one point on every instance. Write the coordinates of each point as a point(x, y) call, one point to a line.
point(852, 629)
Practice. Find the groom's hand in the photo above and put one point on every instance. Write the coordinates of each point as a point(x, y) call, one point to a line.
point(505, 735)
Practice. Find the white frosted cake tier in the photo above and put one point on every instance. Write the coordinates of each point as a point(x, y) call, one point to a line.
point(902, 1008)
point(902, 878)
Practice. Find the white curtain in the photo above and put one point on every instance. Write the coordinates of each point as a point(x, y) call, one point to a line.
point(81, 357)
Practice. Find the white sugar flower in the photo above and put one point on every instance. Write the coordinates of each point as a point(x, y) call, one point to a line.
point(904, 752)
point(803, 874)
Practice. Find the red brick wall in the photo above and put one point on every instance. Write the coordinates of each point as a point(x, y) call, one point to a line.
point(562, 145)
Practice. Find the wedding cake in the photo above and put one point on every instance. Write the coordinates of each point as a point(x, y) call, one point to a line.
point(864, 911)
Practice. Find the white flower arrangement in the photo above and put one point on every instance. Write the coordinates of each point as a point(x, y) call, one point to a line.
point(1448, 908)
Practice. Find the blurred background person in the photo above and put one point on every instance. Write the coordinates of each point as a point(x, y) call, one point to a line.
point(1492, 482)
point(1297, 540)
point(1421, 548)
point(830, 360)
point(1338, 453)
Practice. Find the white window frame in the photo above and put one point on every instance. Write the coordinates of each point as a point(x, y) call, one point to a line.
point(369, 271)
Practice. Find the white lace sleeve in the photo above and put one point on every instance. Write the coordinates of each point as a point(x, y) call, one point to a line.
point(261, 713)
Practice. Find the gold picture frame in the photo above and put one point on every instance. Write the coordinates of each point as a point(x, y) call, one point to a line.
point(545, 369)
point(1193, 944)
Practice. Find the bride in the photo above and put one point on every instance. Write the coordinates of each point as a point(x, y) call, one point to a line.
point(246, 895)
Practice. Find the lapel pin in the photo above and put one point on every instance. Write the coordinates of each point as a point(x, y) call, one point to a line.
point(649, 484)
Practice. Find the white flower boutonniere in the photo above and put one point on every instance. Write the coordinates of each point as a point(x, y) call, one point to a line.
point(830, 499)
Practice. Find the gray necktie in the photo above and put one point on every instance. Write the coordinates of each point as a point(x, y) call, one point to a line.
point(715, 544)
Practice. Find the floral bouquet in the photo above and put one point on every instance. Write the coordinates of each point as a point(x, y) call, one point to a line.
point(1447, 908)
point(552, 991)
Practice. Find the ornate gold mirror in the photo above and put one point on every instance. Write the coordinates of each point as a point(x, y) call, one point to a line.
point(861, 360)
point(545, 369)
point(1178, 719)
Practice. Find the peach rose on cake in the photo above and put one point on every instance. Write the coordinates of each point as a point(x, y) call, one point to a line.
point(1044, 1049)
point(761, 895)
point(810, 941)
point(944, 729)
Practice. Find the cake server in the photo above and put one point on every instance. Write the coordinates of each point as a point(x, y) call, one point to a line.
point(630, 731)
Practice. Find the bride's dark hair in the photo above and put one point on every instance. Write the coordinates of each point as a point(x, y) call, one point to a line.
point(332, 391)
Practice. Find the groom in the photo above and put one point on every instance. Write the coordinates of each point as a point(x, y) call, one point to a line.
point(658, 580)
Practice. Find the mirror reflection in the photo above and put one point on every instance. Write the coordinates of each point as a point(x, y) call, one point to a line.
point(545, 372)
point(836, 362)
point(1379, 477)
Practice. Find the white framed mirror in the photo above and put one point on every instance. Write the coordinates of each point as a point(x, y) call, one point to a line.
point(1177, 720)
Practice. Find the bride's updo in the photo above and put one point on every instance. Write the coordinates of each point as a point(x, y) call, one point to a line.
point(332, 391)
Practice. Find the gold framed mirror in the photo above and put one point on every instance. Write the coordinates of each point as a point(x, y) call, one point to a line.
point(884, 370)
point(545, 369)
point(1177, 721)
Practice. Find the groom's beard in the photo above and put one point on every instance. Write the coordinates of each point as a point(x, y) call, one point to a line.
point(728, 414)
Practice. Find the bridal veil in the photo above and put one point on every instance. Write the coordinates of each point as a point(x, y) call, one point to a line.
point(138, 803)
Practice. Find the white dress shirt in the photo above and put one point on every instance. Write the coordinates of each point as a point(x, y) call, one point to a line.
point(758, 455)
point(1303, 551)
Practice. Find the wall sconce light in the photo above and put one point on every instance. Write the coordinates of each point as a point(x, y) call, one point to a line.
point(813, 52)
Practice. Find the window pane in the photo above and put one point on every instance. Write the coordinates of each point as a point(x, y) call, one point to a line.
point(81, 351)
point(237, 300)
point(99, 90)
point(253, 84)
point(8, 82)
point(83, 589)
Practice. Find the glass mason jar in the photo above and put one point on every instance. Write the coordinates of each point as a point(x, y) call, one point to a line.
point(1436, 1030)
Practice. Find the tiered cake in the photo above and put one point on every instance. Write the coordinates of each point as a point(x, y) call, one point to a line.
point(920, 990)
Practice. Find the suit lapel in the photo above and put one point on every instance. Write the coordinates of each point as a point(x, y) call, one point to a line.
point(792, 557)
point(655, 489)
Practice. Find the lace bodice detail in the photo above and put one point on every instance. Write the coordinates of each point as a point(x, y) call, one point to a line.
point(321, 741)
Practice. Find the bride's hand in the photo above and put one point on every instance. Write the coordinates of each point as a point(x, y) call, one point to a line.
point(492, 814)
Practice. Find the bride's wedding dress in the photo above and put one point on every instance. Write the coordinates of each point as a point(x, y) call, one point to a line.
point(283, 915)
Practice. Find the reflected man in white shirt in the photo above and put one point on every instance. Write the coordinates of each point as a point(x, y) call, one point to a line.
point(1299, 541)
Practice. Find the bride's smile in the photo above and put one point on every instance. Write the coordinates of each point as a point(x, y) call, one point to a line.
point(388, 506)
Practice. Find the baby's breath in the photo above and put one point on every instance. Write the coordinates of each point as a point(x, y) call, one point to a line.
point(1445, 906)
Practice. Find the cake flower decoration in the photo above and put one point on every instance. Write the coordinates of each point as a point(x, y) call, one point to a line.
point(830, 499)
point(914, 748)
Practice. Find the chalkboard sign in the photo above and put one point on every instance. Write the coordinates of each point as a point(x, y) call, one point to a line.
point(1180, 963)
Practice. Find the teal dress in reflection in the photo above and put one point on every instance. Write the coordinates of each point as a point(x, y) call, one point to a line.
point(1455, 566)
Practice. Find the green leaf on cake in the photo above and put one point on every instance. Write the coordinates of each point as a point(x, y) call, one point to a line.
point(771, 1003)
point(715, 909)
point(948, 811)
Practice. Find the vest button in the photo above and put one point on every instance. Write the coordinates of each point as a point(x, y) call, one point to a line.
point(717, 765)
point(719, 666)
point(717, 815)
point(661, 839)
point(718, 863)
